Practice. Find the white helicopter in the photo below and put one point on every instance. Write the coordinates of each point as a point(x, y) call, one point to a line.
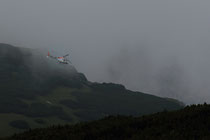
point(61, 59)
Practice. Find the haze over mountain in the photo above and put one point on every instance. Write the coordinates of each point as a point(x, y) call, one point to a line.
point(36, 91)
point(141, 44)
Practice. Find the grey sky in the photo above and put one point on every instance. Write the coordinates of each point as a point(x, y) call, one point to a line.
point(157, 46)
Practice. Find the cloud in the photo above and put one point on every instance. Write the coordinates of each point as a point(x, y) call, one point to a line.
point(136, 43)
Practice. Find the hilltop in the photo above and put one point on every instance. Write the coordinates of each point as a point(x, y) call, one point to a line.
point(38, 92)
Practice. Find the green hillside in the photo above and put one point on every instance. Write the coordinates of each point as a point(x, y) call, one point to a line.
point(39, 92)
point(190, 123)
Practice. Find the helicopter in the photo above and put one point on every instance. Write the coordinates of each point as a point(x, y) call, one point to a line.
point(61, 59)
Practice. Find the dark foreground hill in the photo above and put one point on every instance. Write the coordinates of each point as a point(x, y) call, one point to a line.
point(190, 123)
point(39, 92)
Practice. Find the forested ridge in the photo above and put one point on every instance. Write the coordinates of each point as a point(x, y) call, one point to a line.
point(190, 123)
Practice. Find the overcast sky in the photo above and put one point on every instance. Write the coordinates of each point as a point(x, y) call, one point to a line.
point(161, 47)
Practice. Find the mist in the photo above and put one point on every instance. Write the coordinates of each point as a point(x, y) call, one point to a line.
point(158, 47)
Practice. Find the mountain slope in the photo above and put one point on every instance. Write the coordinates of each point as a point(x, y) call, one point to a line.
point(38, 92)
point(192, 122)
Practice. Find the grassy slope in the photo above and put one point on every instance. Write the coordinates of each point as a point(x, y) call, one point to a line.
point(33, 87)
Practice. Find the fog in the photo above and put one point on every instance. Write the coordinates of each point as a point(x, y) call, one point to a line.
point(158, 47)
